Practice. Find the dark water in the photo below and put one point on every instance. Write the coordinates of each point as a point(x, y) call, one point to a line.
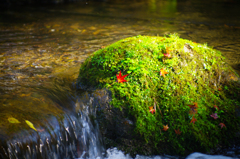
point(42, 48)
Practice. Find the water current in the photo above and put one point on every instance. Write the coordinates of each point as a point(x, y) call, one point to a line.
point(41, 51)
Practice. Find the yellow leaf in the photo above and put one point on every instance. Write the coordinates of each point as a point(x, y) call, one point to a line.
point(30, 125)
point(13, 120)
point(25, 95)
point(96, 32)
point(92, 28)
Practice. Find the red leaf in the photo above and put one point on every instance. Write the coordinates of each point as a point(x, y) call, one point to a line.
point(193, 120)
point(193, 108)
point(165, 128)
point(168, 55)
point(151, 110)
point(120, 78)
point(178, 132)
point(222, 125)
point(163, 72)
point(214, 115)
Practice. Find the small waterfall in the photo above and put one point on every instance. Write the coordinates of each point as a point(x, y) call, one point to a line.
point(89, 141)
point(75, 135)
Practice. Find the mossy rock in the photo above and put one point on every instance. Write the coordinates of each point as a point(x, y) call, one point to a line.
point(198, 86)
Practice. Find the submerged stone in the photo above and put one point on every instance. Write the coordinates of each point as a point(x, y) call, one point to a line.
point(172, 89)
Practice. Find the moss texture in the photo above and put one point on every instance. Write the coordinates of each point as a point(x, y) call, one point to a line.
point(198, 84)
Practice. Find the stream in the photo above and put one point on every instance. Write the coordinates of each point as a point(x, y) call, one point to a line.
point(42, 48)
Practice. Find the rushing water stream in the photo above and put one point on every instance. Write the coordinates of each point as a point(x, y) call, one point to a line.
point(42, 48)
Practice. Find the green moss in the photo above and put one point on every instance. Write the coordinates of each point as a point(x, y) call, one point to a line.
point(196, 74)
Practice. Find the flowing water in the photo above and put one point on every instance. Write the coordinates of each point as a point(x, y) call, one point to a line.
point(41, 51)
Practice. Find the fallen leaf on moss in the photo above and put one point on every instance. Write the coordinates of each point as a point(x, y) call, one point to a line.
point(163, 72)
point(178, 132)
point(222, 125)
point(120, 78)
point(193, 108)
point(193, 120)
point(13, 120)
point(167, 50)
point(214, 116)
point(165, 128)
point(151, 110)
point(168, 55)
point(30, 125)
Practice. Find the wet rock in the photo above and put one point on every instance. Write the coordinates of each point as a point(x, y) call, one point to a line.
point(116, 126)
point(112, 121)
point(195, 73)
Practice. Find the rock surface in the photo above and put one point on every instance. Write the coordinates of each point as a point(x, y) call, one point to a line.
point(179, 97)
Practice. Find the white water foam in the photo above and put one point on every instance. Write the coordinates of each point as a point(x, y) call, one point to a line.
point(114, 153)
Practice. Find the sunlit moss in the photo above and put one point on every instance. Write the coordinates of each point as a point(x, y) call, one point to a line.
point(196, 73)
